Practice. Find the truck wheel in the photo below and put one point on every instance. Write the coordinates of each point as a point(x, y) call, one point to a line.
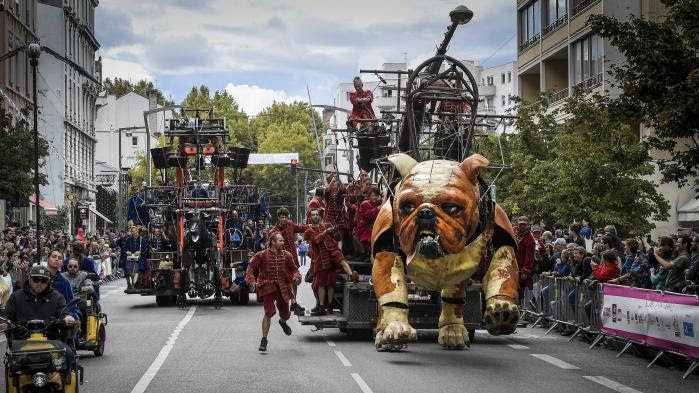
point(471, 334)
point(163, 300)
point(101, 337)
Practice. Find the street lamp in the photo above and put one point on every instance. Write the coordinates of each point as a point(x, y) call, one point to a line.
point(461, 15)
point(120, 220)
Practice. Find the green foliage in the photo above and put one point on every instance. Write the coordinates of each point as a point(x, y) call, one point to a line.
point(119, 87)
point(224, 105)
point(285, 128)
point(56, 222)
point(18, 158)
point(660, 81)
point(587, 164)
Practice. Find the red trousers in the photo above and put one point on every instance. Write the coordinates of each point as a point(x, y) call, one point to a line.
point(282, 305)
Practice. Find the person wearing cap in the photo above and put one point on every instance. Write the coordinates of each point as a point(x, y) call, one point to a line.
point(540, 250)
point(526, 248)
point(38, 301)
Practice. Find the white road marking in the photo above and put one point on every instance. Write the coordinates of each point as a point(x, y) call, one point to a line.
point(616, 386)
point(146, 379)
point(555, 361)
point(343, 359)
point(517, 346)
point(362, 385)
point(330, 342)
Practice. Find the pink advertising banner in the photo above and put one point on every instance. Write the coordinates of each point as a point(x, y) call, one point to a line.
point(662, 320)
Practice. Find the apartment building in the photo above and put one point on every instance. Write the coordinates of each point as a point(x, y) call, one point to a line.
point(496, 87)
point(67, 104)
point(17, 27)
point(557, 51)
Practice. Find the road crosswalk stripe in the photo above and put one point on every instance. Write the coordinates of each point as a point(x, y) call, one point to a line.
point(555, 361)
point(616, 386)
point(362, 385)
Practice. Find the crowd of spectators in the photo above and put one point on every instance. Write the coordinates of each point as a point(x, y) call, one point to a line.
point(578, 252)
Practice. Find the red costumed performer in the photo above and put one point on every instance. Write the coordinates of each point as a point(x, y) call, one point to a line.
point(288, 229)
point(368, 211)
point(277, 274)
point(325, 260)
point(361, 103)
point(526, 246)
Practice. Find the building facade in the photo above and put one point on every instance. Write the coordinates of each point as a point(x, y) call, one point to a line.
point(68, 104)
point(18, 26)
point(496, 87)
point(557, 52)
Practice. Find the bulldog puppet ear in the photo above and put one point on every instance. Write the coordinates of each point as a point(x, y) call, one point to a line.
point(473, 162)
point(403, 163)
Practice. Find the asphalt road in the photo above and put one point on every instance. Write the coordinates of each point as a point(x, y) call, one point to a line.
point(200, 349)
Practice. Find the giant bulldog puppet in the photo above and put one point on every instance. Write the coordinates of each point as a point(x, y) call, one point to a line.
point(441, 226)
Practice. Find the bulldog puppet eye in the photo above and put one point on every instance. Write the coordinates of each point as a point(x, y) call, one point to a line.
point(406, 208)
point(451, 208)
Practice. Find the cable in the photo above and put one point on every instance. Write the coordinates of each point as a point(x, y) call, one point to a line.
point(498, 49)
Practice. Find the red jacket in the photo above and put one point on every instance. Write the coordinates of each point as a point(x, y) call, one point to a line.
point(361, 110)
point(325, 253)
point(275, 270)
point(289, 239)
point(314, 203)
point(525, 258)
point(368, 212)
point(605, 271)
point(333, 207)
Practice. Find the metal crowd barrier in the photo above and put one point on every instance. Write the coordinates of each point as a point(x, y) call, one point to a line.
point(559, 301)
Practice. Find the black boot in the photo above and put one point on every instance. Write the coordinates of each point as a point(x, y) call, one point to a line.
point(285, 327)
point(329, 309)
point(263, 345)
point(319, 311)
point(297, 309)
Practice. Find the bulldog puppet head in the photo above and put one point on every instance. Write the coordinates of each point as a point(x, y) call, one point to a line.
point(436, 205)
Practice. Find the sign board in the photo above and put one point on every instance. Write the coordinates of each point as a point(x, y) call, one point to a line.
point(272, 158)
point(83, 212)
point(662, 320)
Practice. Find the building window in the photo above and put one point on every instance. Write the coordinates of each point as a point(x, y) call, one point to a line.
point(530, 25)
point(490, 81)
point(134, 141)
point(329, 161)
point(588, 55)
point(502, 77)
point(503, 100)
point(556, 10)
point(489, 104)
point(509, 99)
point(509, 76)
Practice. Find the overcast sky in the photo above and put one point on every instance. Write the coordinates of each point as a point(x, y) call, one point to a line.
point(263, 50)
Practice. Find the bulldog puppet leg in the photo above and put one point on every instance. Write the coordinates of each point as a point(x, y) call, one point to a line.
point(452, 333)
point(392, 329)
point(500, 283)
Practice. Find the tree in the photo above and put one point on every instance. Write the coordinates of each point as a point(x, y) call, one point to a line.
point(285, 128)
point(660, 81)
point(119, 87)
point(18, 158)
point(56, 222)
point(589, 165)
point(224, 105)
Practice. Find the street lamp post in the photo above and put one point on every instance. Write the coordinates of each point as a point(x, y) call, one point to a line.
point(34, 51)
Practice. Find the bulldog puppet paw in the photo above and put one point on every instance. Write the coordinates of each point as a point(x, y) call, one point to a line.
point(501, 316)
point(395, 336)
point(453, 336)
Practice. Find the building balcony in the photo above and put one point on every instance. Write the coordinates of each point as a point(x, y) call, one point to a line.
point(582, 7)
point(529, 43)
point(558, 96)
point(560, 22)
point(486, 90)
point(591, 82)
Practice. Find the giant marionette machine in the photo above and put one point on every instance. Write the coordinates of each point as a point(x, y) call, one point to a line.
point(198, 255)
point(442, 251)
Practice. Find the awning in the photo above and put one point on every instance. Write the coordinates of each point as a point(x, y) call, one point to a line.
point(100, 215)
point(49, 209)
point(689, 212)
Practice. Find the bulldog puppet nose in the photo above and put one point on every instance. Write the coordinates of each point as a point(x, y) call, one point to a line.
point(426, 213)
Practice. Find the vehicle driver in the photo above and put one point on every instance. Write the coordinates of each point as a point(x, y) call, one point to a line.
point(38, 301)
point(79, 283)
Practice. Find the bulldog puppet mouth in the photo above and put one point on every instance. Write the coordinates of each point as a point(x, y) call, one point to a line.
point(427, 245)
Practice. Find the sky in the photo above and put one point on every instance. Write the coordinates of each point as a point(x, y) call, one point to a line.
point(263, 51)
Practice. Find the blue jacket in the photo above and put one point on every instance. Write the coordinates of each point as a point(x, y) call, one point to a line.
point(562, 270)
point(140, 215)
point(132, 245)
point(586, 232)
point(628, 262)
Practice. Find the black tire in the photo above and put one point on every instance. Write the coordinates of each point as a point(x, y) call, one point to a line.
point(471, 334)
point(101, 337)
point(163, 300)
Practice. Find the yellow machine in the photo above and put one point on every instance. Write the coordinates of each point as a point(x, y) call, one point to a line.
point(38, 364)
point(96, 322)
